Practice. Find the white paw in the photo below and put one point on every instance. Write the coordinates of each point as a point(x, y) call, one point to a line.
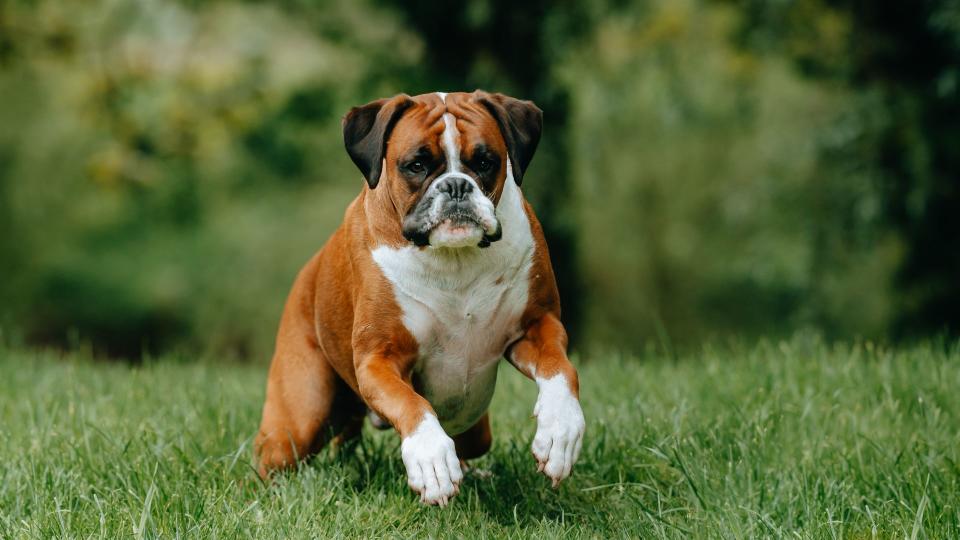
point(433, 469)
point(560, 427)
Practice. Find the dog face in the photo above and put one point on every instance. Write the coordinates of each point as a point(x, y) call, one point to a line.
point(443, 159)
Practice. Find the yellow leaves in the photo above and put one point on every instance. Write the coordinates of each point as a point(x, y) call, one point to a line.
point(668, 37)
point(670, 22)
point(742, 64)
point(106, 167)
point(820, 35)
point(619, 40)
point(117, 165)
point(164, 89)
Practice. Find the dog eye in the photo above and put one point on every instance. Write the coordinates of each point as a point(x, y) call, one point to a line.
point(416, 167)
point(484, 165)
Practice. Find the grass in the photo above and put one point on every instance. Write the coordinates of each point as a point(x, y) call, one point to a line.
point(787, 439)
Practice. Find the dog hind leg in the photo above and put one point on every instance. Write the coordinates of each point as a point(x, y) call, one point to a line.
point(307, 404)
point(476, 440)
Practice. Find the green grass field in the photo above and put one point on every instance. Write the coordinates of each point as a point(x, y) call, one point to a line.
point(786, 439)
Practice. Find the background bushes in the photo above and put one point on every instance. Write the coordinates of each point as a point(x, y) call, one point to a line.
point(709, 167)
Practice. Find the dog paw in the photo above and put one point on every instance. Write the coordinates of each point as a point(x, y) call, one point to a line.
point(430, 458)
point(560, 427)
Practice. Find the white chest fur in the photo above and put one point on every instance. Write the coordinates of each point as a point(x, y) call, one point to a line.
point(463, 306)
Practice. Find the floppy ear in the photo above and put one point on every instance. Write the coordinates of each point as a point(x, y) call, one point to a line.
point(366, 130)
point(520, 124)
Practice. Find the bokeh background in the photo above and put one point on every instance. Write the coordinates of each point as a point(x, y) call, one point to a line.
point(709, 168)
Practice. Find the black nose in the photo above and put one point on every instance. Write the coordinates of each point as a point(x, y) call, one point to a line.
point(457, 187)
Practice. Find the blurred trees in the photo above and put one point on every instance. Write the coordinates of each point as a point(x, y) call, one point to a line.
point(706, 188)
point(167, 167)
point(905, 57)
point(708, 166)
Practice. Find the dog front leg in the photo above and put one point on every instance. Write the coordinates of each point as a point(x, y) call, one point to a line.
point(541, 354)
point(429, 454)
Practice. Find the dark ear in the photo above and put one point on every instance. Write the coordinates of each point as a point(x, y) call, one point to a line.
point(366, 130)
point(520, 123)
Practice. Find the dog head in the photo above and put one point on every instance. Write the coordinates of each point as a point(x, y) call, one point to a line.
point(443, 159)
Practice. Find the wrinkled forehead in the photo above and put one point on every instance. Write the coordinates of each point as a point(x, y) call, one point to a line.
point(423, 125)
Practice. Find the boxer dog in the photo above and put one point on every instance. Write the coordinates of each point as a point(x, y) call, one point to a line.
point(438, 271)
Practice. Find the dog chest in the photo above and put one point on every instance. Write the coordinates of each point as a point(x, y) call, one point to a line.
point(462, 338)
point(463, 308)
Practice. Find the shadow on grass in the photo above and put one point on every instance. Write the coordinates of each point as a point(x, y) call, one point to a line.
point(601, 491)
point(607, 489)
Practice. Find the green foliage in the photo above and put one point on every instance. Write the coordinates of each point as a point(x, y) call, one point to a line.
point(167, 172)
point(785, 439)
point(706, 189)
point(905, 57)
point(707, 167)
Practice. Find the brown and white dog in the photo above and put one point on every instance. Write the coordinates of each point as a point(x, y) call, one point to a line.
point(438, 271)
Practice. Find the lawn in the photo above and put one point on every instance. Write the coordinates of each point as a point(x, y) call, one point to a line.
point(778, 439)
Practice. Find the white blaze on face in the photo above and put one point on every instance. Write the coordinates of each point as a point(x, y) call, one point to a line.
point(451, 143)
point(446, 233)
